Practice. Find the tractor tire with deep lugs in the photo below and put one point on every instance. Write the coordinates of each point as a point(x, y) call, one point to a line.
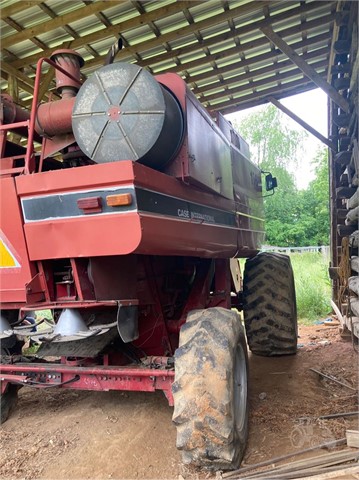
point(270, 312)
point(8, 401)
point(210, 389)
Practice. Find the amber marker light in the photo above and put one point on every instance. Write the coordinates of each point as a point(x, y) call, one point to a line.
point(119, 200)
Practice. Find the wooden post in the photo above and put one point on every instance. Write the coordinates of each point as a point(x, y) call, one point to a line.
point(45, 83)
point(13, 90)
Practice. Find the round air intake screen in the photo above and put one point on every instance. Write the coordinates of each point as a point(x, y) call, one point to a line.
point(122, 113)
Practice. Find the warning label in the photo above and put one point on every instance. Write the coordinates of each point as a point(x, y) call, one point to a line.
point(7, 256)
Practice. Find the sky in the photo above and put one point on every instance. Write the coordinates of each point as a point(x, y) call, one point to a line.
point(312, 108)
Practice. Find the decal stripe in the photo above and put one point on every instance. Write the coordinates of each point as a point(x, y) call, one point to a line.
point(64, 206)
point(153, 202)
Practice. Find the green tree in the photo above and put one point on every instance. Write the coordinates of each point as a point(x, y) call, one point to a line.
point(274, 148)
point(273, 143)
point(315, 202)
point(293, 218)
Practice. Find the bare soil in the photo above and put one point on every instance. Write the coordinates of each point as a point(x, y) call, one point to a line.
point(89, 435)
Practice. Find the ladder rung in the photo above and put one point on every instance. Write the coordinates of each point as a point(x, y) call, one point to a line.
point(10, 126)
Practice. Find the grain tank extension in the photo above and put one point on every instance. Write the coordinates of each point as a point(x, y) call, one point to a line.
point(124, 214)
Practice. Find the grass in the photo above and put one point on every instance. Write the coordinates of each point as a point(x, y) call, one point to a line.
point(39, 315)
point(312, 286)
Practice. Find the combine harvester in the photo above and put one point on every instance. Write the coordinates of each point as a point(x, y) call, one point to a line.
point(127, 224)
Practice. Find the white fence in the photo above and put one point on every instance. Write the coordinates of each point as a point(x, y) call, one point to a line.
point(324, 249)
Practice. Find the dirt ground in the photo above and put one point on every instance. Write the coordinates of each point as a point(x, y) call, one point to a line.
point(89, 435)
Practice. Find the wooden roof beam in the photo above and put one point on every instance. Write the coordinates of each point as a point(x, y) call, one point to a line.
point(207, 43)
point(237, 106)
point(258, 83)
point(306, 68)
point(45, 83)
point(261, 71)
point(302, 123)
point(223, 37)
point(318, 40)
point(145, 18)
point(67, 29)
point(24, 82)
point(17, 7)
point(57, 22)
point(238, 31)
point(19, 28)
point(231, 52)
point(247, 101)
point(22, 86)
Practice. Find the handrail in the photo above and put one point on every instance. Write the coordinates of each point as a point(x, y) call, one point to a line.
point(34, 106)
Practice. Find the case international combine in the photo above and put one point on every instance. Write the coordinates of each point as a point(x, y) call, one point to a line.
point(127, 223)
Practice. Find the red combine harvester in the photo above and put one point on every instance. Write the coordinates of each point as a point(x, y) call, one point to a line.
point(127, 224)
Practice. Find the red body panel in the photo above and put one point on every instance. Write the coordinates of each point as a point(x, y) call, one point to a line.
point(83, 237)
point(13, 278)
point(97, 234)
point(181, 237)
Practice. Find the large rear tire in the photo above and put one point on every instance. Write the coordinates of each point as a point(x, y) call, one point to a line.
point(210, 389)
point(8, 401)
point(270, 311)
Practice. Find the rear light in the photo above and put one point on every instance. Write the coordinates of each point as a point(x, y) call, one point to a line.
point(90, 204)
point(119, 200)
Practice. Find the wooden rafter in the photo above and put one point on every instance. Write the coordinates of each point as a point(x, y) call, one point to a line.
point(250, 76)
point(67, 29)
point(17, 7)
point(19, 28)
point(319, 41)
point(239, 31)
point(247, 101)
point(21, 85)
point(302, 123)
point(306, 69)
point(190, 29)
point(227, 53)
point(57, 22)
point(259, 83)
point(26, 83)
point(45, 83)
point(13, 87)
point(110, 31)
point(220, 53)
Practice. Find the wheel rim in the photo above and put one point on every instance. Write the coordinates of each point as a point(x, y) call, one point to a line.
point(240, 389)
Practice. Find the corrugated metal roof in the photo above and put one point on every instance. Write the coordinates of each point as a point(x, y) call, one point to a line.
point(216, 46)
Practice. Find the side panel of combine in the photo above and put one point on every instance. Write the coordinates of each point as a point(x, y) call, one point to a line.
point(15, 268)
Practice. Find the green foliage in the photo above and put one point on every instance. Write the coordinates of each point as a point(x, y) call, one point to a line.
point(312, 286)
point(293, 218)
point(314, 202)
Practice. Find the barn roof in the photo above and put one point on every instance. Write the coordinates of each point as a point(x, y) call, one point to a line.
point(218, 47)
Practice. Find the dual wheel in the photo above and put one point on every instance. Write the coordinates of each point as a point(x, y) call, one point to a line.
point(211, 376)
